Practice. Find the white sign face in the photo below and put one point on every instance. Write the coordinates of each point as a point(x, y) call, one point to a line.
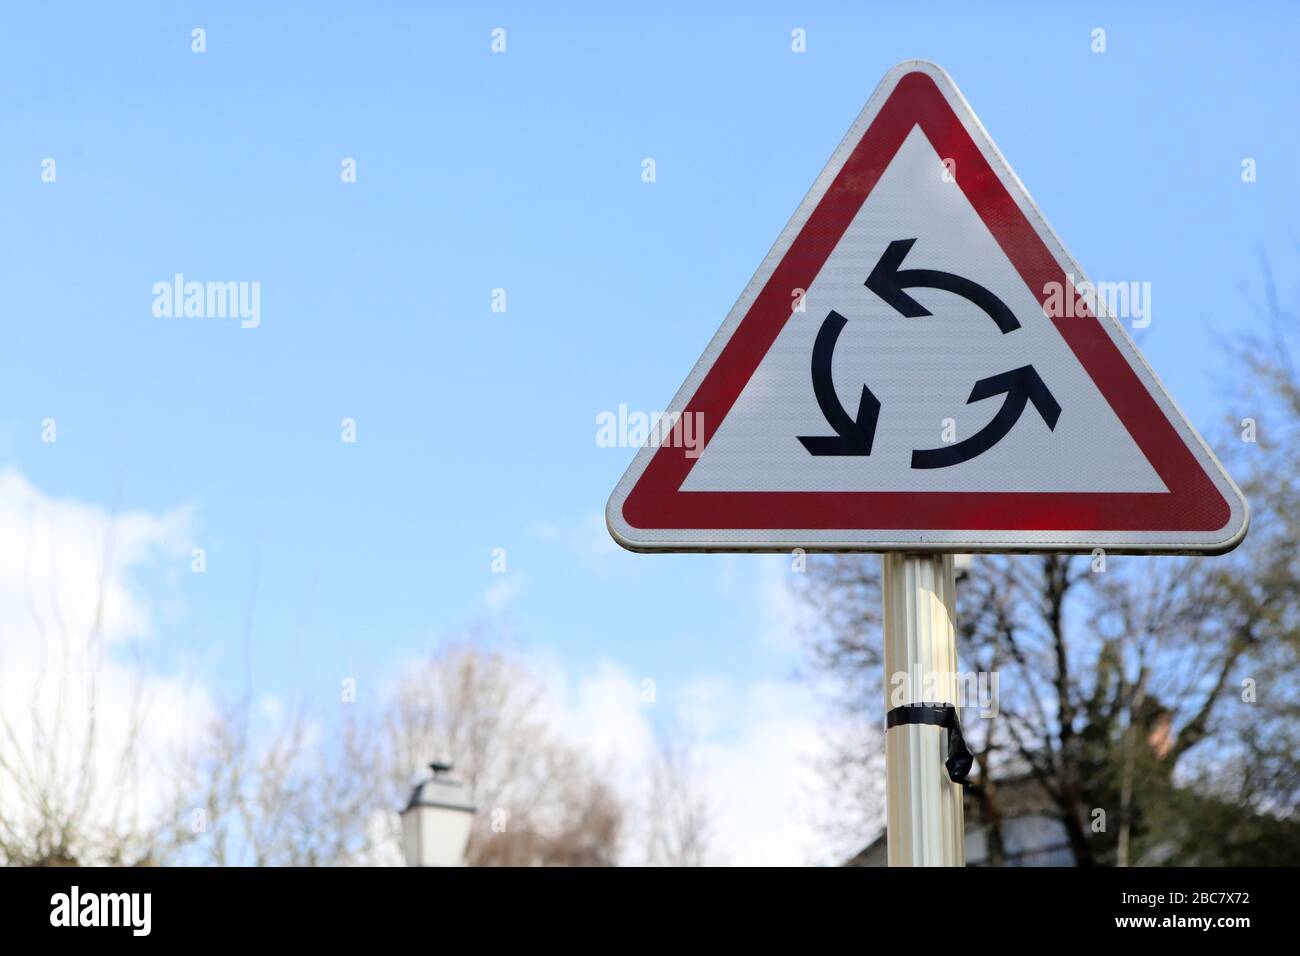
point(919, 364)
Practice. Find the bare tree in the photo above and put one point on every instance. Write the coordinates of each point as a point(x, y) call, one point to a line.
point(327, 790)
point(541, 802)
point(295, 792)
point(85, 780)
point(75, 789)
point(676, 811)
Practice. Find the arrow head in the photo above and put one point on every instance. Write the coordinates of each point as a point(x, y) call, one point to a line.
point(856, 438)
point(1022, 385)
point(888, 280)
point(885, 282)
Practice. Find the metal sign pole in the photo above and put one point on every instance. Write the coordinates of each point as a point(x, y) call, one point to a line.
point(925, 826)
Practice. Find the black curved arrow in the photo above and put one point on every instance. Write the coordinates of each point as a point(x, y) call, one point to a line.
point(888, 281)
point(853, 435)
point(1021, 386)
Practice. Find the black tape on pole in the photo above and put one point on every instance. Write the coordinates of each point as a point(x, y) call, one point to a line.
point(960, 759)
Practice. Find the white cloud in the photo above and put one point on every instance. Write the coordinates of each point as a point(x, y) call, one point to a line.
point(72, 617)
point(757, 770)
point(606, 715)
point(64, 569)
point(752, 749)
point(587, 539)
point(784, 619)
point(753, 745)
point(503, 592)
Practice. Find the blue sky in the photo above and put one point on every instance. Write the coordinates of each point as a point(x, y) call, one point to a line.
point(475, 429)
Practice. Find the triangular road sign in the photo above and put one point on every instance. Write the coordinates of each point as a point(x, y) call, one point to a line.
point(918, 365)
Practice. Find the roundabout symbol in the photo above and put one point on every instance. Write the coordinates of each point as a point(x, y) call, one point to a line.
point(854, 435)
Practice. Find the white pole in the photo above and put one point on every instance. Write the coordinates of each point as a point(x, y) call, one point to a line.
point(925, 825)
